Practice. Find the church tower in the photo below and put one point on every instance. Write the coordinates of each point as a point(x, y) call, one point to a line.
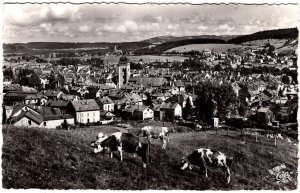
point(123, 71)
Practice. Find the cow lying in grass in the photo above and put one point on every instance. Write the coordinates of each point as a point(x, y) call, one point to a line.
point(155, 132)
point(203, 157)
point(124, 142)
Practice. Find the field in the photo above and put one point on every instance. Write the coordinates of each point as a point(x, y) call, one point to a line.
point(57, 159)
point(114, 59)
point(201, 47)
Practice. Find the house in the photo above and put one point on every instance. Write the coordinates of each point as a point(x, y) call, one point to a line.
point(178, 98)
point(138, 112)
point(129, 99)
point(106, 116)
point(84, 111)
point(169, 111)
point(32, 99)
point(264, 115)
point(106, 104)
point(149, 81)
point(25, 95)
point(93, 92)
point(43, 117)
point(70, 97)
point(54, 95)
point(60, 104)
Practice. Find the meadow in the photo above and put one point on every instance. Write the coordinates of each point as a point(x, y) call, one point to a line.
point(59, 159)
point(201, 47)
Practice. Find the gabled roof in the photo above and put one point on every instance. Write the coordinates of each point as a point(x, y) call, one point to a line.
point(176, 99)
point(85, 105)
point(168, 105)
point(136, 108)
point(104, 100)
point(263, 110)
point(59, 103)
point(57, 117)
point(17, 108)
point(51, 93)
point(152, 81)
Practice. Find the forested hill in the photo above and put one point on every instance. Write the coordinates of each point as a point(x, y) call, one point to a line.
point(158, 49)
point(288, 33)
point(71, 45)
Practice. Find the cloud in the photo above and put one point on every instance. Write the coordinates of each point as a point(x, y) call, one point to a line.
point(36, 14)
point(173, 27)
point(149, 27)
point(128, 26)
point(84, 28)
point(202, 28)
point(226, 28)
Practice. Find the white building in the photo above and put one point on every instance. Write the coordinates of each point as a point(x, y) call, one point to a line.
point(85, 111)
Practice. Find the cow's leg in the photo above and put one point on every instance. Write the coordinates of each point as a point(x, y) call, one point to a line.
point(121, 153)
point(111, 154)
point(203, 166)
point(227, 174)
point(164, 142)
point(167, 135)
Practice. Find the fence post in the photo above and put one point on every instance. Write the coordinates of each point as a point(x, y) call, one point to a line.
point(275, 141)
point(256, 137)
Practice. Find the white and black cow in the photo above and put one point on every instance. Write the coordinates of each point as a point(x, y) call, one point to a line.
point(203, 157)
point(124, 142)
point(155, 132)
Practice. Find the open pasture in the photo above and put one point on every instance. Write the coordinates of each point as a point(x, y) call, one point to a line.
point(201, 47)
point(57, 159)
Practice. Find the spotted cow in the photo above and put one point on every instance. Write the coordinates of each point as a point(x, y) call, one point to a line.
point(124, 142)
point(203, 157)
point(155, 132)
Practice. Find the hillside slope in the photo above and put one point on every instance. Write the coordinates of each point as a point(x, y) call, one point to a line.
point(44, 159)
point(288, 33)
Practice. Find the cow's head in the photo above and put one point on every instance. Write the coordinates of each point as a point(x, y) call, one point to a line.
point(97, 147)
point(185, 164)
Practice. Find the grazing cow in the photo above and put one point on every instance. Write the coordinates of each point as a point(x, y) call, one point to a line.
point(202, 157)
point(124, 141)
point(155, 132)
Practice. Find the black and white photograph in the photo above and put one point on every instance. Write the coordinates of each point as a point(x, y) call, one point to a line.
point(155, 95)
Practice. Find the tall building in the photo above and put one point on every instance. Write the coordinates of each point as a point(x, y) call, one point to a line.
point(123, 71)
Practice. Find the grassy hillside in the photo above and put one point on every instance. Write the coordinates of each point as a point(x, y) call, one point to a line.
point(46, 159)
point(201, 47)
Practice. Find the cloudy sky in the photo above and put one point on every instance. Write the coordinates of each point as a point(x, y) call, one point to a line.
point(121, 22)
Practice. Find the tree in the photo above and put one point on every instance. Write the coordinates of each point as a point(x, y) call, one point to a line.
point(8, 74)
point(52, 80)
point(215, 100)
point(149, 101)
point(188, 110)
point(34, 81)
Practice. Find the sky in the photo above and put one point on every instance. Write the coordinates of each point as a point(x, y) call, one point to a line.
point(123, 22)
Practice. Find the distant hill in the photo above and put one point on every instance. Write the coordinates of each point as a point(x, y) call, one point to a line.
point(164, 39)
point(162, 43)
point(289, 33)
